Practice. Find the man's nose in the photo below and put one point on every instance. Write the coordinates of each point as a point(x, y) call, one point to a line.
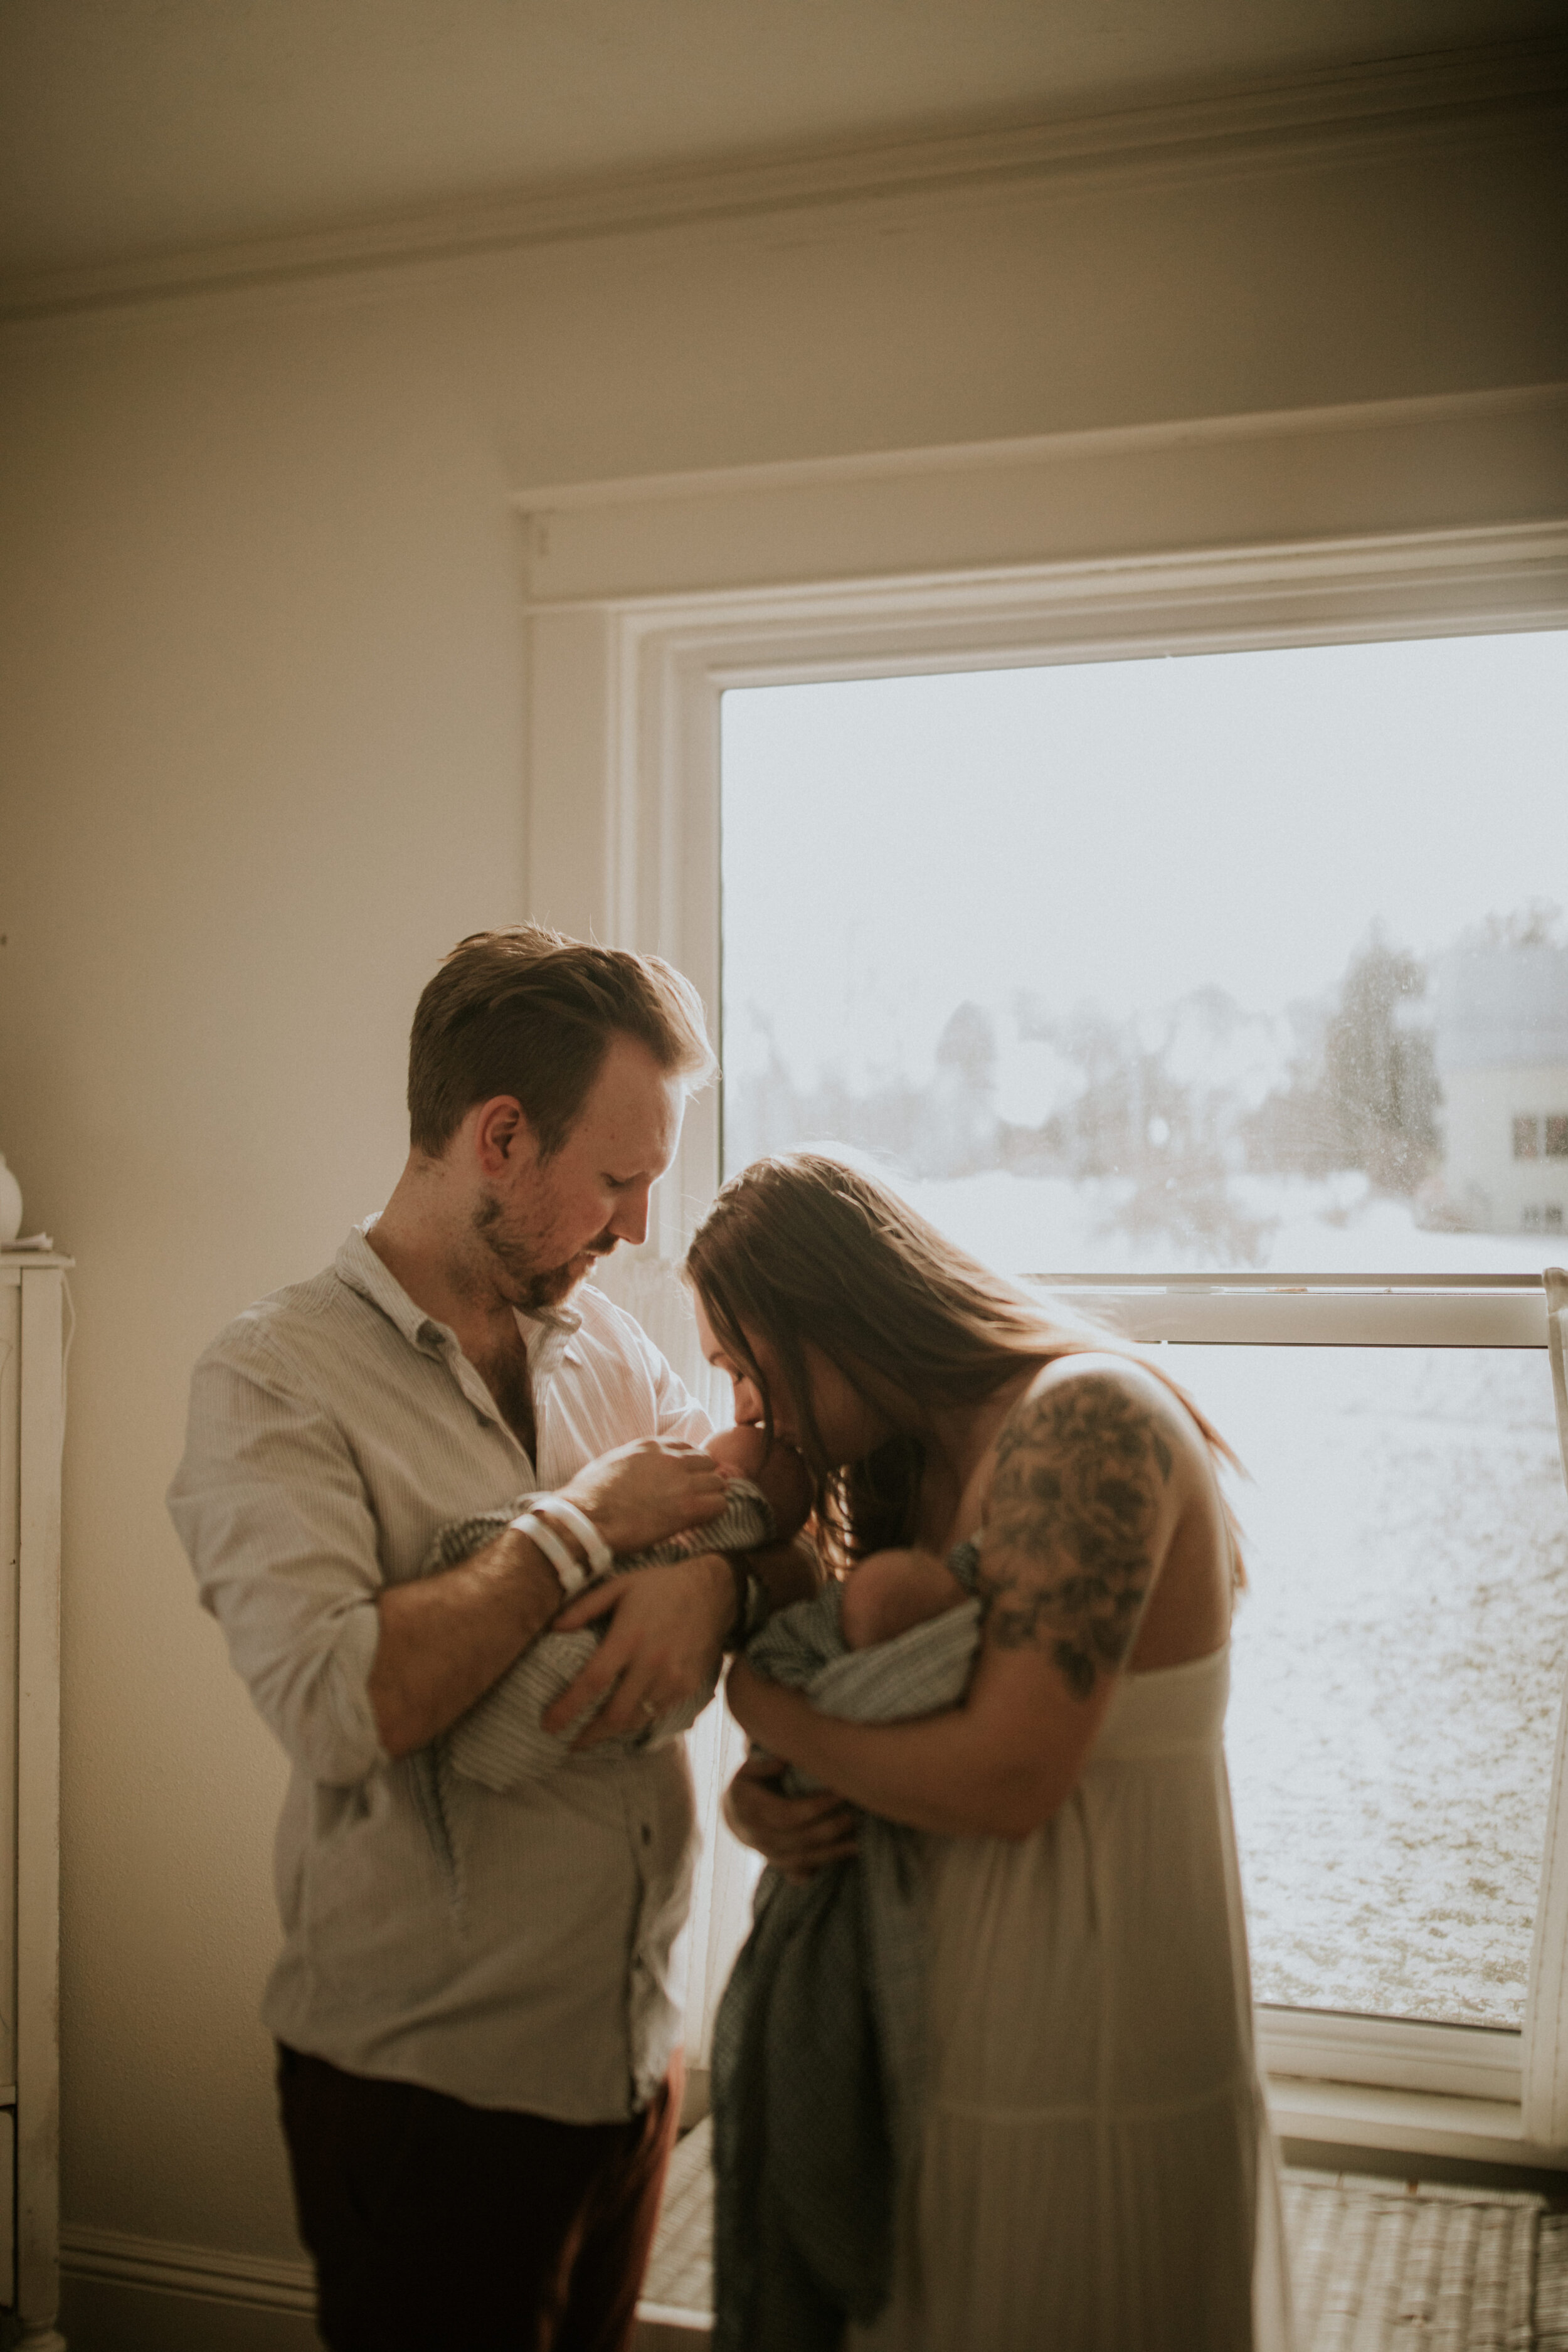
point(629, 1223)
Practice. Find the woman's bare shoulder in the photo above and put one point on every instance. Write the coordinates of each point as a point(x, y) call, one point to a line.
point(1101, 1394)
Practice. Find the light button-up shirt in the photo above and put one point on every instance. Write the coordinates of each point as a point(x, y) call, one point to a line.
point(334, 1428)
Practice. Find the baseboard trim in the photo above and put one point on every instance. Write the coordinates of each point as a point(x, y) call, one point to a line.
point(267, 2282)
point(211, 2274)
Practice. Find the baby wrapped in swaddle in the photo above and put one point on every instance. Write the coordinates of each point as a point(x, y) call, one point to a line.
point(501, 1742)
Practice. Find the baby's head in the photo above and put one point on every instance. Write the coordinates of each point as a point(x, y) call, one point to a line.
point(777, 1469)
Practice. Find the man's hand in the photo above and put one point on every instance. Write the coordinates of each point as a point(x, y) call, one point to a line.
point(444, 1639)
point(662, 1645)
point(796, 1835)
point(654, 1487)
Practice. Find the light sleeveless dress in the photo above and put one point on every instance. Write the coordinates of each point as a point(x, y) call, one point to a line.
point(1096, 2172)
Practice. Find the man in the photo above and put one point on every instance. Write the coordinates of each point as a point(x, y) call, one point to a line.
point(477, 2066)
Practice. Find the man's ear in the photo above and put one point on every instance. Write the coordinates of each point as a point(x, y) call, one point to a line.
point(503, 1139)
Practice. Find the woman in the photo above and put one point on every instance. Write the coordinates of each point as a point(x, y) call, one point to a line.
point(1095, 2169)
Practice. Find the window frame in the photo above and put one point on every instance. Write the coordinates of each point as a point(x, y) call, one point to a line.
point(626, 689)
point(625, 692)
point(1360, 1310)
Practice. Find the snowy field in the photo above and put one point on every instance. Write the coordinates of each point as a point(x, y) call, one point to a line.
point(1335, 1224)
point(1399, 1659)
point(1398, 1669)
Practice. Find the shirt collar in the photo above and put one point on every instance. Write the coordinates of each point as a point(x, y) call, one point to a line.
point(547, 1338)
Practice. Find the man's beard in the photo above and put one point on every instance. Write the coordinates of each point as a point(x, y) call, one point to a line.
point(533, 1290)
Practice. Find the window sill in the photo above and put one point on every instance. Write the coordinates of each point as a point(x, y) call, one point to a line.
point(1391, 2053)
point(1363, 2115)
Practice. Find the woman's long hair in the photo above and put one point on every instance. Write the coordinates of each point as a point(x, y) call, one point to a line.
point(803, 1249)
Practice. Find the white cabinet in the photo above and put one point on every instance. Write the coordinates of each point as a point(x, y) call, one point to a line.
point(32, 1426)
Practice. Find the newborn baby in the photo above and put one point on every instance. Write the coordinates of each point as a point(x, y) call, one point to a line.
point(888, 1591)
point(501, 1741)
point(776, 1470)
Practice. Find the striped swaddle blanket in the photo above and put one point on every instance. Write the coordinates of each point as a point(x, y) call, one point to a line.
point(501, 1741)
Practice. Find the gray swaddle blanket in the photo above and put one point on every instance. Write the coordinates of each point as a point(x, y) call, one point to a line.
point(818, 2050)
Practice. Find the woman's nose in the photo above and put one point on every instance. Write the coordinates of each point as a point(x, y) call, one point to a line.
point(748, 1401)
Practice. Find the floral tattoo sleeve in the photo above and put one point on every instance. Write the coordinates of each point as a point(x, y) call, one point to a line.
point(1067, 1556)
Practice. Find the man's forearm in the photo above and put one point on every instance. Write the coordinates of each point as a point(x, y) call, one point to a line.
point(444, 1639)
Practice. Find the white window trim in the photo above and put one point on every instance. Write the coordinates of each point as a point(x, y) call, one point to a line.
point(1397, 2053)
point(625, 696)
point(624, 683)
point(1318, 1310)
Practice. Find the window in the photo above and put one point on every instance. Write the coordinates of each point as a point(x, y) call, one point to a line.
point(640, 623)
point(1557, 1136)
point(1140, 971)
point(1398, 1663)
point(1216, 963)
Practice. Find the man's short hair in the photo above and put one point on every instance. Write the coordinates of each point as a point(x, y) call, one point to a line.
point(526, 1012)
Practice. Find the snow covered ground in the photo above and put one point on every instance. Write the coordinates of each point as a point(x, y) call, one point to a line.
point(1048, 1225)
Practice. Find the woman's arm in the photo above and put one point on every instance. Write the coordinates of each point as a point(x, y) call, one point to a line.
point(1087, 1488)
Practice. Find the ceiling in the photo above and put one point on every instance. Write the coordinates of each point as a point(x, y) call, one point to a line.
point(133, 127)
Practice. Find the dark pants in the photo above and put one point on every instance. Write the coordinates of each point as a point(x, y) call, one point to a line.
point(434, 2224)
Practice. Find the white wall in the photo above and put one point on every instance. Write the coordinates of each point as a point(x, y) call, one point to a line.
point(261, 754)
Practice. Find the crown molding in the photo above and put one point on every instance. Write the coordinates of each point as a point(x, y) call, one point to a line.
point(1421, 409)
point(1483, 89)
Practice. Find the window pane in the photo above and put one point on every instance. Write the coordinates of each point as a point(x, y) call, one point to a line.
point(1398, 1665)
point(1233, 960)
